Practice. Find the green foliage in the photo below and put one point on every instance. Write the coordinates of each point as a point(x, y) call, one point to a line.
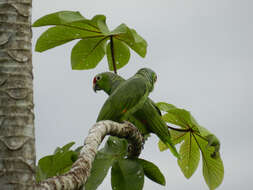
point(213, 169)
point(125, 173)
point(114, 150)
point(95, 39)
point(58, 18)
point(190, 156)
point(152, 171)
point(195, 139)
point(113, 155)
point(57, 163)
point(164, 106)
point(124, 170)
point(176, 137)
point(87, 53)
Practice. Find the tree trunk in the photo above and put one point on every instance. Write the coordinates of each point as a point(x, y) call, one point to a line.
point(17, 141)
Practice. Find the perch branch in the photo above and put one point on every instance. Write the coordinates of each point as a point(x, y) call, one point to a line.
point(80, 170)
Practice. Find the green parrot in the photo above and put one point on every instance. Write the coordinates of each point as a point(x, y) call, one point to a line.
point(128, 97)
point(147, 118)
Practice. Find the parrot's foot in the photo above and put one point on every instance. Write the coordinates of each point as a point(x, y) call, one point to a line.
point(135, 149)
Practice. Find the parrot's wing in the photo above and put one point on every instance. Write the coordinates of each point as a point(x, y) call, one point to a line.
point(126, 99)
point(155, 106)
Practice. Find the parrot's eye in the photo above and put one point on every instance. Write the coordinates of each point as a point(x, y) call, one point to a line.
point(98, 78)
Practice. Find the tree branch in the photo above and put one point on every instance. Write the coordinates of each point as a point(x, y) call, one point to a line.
point(80, 170)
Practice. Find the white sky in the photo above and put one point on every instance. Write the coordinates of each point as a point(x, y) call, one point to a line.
point(202, 53)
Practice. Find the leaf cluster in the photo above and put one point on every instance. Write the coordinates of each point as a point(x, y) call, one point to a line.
point(95, 39)
point(57, 163)
point(124, 171)
point(194, 140)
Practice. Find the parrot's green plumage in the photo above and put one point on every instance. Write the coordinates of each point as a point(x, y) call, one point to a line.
point(146, 116)
point(128, 97)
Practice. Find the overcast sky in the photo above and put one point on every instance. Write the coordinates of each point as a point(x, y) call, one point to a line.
point(202, 51)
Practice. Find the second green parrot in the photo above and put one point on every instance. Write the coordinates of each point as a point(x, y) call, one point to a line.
point(147, 117)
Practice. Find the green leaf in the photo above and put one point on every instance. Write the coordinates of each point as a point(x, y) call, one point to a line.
point(87, 53)
point(44, 166)
point(115, 148)
point(122, 31)
point(58, 163)
point(131, 38)
point(63, 160)
point(121, 54)
point(176, 137)
point(127, 174)
point(67, 146)
point(163, 106)
point(162, 146)
point(97, 25)
point(100, 167)
point(190, 156)
point(85, 25)
point(213, 169)
point(179, 117)
point(140, 45)
point(58, 18)
point(100, 21)
point(59, 35)
point(152, 171)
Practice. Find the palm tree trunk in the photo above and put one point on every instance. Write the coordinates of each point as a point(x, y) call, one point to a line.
point(17, 149)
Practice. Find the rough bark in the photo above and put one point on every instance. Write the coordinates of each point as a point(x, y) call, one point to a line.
point(17, 150)
point(81, 168)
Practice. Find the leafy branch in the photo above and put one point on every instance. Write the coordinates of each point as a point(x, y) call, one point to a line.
point(96, 39)
point(194, 139)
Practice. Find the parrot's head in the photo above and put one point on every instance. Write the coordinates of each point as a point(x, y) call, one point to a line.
point(106, 81)
point(150, 76)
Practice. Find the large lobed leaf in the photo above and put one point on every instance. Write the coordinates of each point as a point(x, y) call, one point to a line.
point(190, 156)
point(196, 139)
point(131, 38)
point(58, 18)
point(213, 169)
point(59, 35)
point(87, 53)
point(90, 50)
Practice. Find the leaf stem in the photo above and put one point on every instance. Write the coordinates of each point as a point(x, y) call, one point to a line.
point(180, 130)
point(113, 58)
